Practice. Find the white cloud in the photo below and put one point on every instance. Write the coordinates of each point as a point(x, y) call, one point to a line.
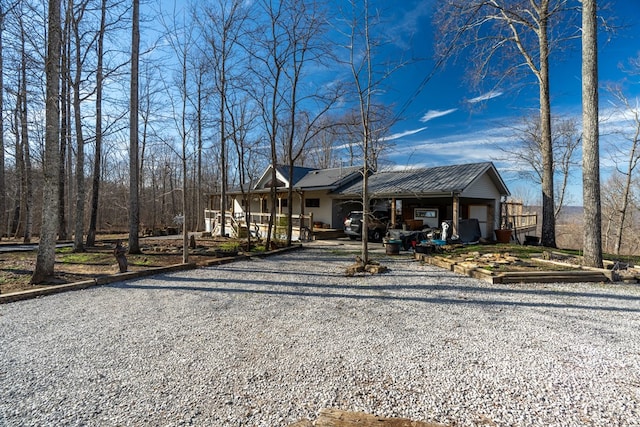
point(485, 97)
point(432, 114)
point(403, 134)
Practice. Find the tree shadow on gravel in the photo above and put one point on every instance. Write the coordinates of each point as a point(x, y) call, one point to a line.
point(315, 290)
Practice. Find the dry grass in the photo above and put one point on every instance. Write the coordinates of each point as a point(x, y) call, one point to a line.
point(16, 268)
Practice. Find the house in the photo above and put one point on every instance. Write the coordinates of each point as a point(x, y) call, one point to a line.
point(312, 198)
point(419, 197)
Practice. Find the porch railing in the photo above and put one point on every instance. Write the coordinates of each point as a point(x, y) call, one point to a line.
point(258, 224)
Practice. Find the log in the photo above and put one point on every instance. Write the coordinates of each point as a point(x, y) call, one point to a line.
point(330, 417)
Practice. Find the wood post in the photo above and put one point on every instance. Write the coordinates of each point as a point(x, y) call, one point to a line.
point(393, 212)
point(456, 214)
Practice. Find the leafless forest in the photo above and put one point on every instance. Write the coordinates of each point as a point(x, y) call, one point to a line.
point(218, 88)
point(225, 87)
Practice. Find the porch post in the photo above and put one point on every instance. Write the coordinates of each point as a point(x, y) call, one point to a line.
point(456, 214)
point(301, 195)
point(393, 212)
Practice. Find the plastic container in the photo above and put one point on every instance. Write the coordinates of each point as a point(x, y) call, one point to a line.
point(393, 247)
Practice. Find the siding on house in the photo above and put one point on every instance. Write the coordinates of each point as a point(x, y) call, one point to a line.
point(482, 188)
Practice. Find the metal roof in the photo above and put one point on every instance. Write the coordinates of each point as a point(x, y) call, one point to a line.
point(298, 172)
point(328, 178)
point(427, 181)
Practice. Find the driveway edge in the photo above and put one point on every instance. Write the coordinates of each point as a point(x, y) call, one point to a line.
point(118, 277)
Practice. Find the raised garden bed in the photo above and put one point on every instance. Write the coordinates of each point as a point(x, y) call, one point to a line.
point(505, 268)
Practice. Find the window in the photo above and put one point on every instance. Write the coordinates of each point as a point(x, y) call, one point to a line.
point(425, 213)
point(311, 203)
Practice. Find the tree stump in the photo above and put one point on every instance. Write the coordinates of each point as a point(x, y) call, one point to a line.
point(372, 267)
point(119, 252)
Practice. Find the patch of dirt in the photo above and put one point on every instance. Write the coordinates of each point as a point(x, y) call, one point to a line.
point(16, 268)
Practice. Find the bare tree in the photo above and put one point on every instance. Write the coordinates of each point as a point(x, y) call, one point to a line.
point(270, 55)
point(45, 260)
point(97, 159)
point(626, 155)
point(526, 153)
point(367, 80)
point(182, 39)
point(27, 187)
point(3, 190)
point(224, 27)
point(65, 117)
point(201, 99)
point(134, 165)
point(240, 121)
point(305, 37)
point(591, 137)
point(364, 85)
point(321, 150)
point(512, 35)
point(77, 16)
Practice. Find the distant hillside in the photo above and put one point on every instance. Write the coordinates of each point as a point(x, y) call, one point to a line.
point(566, 212)
point(571, 211)
point(568, 227)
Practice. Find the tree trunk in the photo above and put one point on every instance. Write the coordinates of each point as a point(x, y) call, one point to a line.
point(17, 220)
point(591, 136)
point(223, 157)
point(95, 184)
point(548, 218)
point(134, 207)
point(3, 194)
point(65, 119)
point(78, 245)
point(27, 190)
point(45, 260)
point(199, 208)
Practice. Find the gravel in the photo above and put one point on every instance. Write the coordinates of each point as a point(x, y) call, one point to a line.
point(267, 342)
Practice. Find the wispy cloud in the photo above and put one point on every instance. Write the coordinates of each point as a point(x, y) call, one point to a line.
point(408, 24)
point(432, 114)
point(485, 97)
point(403, 134)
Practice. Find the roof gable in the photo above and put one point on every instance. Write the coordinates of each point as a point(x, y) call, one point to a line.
point(282, 176)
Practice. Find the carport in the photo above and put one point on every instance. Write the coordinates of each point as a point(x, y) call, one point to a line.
point(428, 196)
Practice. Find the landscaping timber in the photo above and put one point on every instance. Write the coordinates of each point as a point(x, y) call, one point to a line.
point(567, 275)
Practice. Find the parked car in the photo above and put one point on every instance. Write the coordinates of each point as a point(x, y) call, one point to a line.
point(377, 224)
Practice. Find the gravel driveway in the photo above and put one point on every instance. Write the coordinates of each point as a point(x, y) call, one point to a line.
point(266, 342)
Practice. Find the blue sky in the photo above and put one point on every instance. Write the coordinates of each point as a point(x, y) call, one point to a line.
point(448, 122)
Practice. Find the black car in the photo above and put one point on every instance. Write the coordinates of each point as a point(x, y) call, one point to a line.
point(378, 223)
